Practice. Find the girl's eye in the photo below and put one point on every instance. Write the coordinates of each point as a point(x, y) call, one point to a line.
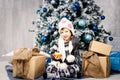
point(66, 31)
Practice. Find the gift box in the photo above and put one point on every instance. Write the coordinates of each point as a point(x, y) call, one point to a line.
point(91, 65)
point(100, 47)
point(36, 67)
point(28, 63)
point(105, 65)
point(94, 65)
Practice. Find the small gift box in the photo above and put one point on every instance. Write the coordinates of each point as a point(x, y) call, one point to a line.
point(100, 47)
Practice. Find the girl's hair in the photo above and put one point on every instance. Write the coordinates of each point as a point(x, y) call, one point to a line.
point(69, 30)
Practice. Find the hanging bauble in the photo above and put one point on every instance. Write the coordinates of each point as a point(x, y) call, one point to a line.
point(38, 11)
point(87, 37)
point(82, 23)
point(75, 8)
point(55, 34)
point(111, 38)
point(76, 4)
point(94, 27)
point(102, 17)
point(55, 3)
point(44, 9)
point(44, 38)
point(49, 26)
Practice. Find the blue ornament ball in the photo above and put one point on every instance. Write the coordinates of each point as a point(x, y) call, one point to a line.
point(38, 11)
point(102, 17)
point(95, 28)
point(82, 23)
point(44, 38)
point(49, 26)
point(76, 4)
point(87, 38)
point(75, 9)
point(111, 38)
point(44, 9)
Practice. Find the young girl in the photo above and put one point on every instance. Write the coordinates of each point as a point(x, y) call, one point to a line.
point(69, 65)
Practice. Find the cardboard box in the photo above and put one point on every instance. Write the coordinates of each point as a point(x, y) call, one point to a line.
point(36, 67)
point(105, 64)
point(100, 47)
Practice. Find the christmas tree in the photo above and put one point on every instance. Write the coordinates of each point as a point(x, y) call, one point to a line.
point(85, 15)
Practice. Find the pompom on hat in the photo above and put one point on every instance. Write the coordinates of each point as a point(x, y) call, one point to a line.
point(65, 23)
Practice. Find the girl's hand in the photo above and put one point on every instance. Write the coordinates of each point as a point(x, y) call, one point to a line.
point(57, 58)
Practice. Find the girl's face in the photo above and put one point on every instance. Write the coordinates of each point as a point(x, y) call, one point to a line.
point(66, 34)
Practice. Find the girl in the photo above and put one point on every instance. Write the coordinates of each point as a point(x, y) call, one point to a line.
point(69, 65)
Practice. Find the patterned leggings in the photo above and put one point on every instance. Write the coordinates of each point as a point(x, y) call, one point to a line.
point(71, 71)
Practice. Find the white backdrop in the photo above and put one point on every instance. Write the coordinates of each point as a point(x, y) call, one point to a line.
point(16, 18)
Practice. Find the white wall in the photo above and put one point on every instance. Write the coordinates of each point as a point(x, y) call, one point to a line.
point(112, 22)
point(16, 18)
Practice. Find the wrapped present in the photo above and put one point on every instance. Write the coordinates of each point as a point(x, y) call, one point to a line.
point(105, 65)
point(100, 47)
point(20, 59)
point(36, 67)
point(115, 60)
point(94, 65)
point(28, 63)
point(91, 65)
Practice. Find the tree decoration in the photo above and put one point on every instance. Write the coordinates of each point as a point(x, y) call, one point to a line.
point(94, 27)
point(44, 39)
point(76, 4)
point(102, 17)
point(110, 38)
point(85, 15)
point(87, 37)
point(82, 23)
point(44, 9)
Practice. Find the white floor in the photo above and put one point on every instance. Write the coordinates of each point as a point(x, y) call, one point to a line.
point(3, 73)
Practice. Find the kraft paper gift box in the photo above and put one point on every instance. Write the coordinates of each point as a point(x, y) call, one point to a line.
point(105, 65)
point(100, 47)
point(94, 65)
point(36, 67)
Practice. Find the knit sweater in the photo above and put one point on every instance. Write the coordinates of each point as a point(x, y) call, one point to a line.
point(67, 48)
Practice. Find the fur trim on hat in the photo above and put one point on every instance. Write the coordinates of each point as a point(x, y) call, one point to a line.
point(65, 23)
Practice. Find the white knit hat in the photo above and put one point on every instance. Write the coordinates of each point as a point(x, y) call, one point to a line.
point(65, 23)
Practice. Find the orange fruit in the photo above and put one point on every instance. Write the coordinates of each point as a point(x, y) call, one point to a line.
point(58, 55)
